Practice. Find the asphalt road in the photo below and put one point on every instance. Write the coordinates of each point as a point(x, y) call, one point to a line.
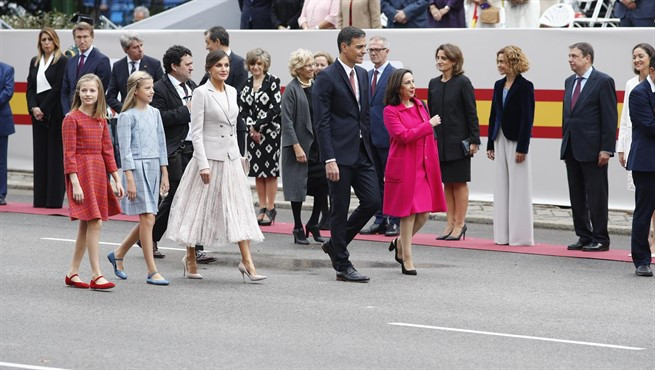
point(465, 309)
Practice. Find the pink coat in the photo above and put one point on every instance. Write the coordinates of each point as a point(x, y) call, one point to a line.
point(408, 137)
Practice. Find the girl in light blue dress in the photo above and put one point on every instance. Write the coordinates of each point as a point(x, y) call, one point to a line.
point(144, 160)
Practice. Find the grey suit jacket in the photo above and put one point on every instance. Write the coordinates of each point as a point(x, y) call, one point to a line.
point(296, 129)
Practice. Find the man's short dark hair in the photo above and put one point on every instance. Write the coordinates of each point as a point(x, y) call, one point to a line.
point(174, 55)
point(219, 33)
point(347, 34)
point(585, 48)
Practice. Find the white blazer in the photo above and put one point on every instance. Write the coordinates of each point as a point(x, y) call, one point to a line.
point(213, 124)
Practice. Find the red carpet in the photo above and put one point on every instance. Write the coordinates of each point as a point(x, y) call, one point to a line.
point(419, 239)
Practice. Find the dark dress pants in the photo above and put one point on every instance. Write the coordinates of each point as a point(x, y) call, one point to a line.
point(644, 208)
point(177, 163)
point(380, 156)
point(588, 191)
point(242, 138)
point(48, 154)
point(4, 142)
point(363, 179)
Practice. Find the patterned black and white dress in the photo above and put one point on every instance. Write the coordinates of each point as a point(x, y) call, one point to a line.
point(261, 110)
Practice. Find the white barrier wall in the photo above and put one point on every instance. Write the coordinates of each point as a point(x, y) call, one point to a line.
point(547, 50)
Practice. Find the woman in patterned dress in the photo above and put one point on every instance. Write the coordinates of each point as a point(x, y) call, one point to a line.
point(259, 107)
point(213, 203)
point(88, 157)
point(143, 155)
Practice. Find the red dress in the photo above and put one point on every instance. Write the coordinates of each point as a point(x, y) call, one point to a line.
point(89, 153)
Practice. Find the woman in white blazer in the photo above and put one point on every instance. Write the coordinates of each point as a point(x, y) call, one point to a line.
point(213, 204)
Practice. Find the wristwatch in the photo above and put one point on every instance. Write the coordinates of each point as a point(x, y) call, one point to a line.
point(447, 7)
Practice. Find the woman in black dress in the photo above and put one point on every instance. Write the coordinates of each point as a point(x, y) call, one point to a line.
point(43, 91)
point(259, 107)
point(452, 97)
point(302, 172)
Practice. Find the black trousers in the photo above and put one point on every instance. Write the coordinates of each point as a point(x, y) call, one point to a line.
point(48, 154)
point(177, 163)
point(588, 192)
point(362, 178)
point(242, 136)
point(380, 156)
point(644, 208)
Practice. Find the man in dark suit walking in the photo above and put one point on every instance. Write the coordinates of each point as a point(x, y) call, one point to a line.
point(588, 140)
point(378, 49)
point(6, 123)
point(173, 99)
point(641, 162)
point(135, 60)
point(89, 60)
point(341, 119)
point(217, 38)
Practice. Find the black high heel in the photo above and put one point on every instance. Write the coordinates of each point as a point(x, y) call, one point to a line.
point(462, 235)
point(299, 237)
point(270, 213)
point(392, 248)
point(444, 236)
point(407, 272)
point(262, 211)
point(316, 233)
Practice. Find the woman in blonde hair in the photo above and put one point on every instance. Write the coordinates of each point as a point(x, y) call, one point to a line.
point(143, 155)
point(88, 158)
point(43, 101)
point(510, 129)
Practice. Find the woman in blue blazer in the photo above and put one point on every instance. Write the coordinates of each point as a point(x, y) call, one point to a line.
point(510, 129)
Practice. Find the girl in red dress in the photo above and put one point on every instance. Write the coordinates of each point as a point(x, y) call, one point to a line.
point(88, 157)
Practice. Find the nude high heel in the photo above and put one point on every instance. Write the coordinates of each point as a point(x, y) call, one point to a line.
point(189, 275)
point(244, 272)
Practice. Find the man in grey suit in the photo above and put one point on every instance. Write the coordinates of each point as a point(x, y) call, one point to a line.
point(588, 141)
point(378, 49)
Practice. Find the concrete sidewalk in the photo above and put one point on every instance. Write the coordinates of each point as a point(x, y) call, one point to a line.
point(545, 216)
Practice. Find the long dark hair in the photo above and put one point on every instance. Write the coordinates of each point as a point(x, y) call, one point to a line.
point(392, 94)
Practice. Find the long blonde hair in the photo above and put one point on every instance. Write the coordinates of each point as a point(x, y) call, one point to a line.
point(134, 82)
point(100, 109)
point(55, 40)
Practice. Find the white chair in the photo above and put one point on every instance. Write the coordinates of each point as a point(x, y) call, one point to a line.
point(596, 6)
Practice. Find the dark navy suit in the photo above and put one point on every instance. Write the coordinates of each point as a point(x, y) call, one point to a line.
point(96, 63)
point(415, 10)
point(343, 131)
point(642, 16)
point(641, 162)
point(6, 120)
point(255, 14)
point(380, 136)
point(118, 80)
point(588, 129)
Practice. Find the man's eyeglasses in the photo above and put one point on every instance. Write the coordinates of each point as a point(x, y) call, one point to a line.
point(375, 50)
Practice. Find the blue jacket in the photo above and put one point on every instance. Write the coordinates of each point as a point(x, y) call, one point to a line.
point(379, 133)
point(119, 75)
point(645, 9)
point(6, 92)
point(516, 116)
point(642, 115)
point(415, 10)
point(255, 14)
point(97, 63)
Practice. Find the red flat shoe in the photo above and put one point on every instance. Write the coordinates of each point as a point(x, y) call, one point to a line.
point(107, 285)
point(77, 284)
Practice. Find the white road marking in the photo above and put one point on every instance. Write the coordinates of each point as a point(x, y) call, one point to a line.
point(107, 243)
point(518, 336)
point(21, 366)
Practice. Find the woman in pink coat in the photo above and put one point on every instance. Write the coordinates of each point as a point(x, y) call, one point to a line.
point(412, 178)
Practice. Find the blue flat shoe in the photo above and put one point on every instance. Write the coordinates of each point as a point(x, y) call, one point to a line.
point(149, 280)
point(112, 258)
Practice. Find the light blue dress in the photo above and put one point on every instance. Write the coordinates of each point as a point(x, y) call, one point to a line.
point(143, 150)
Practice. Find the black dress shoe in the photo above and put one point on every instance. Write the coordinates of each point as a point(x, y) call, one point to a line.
point(3, 202)
point(596, 247)
point(577, 246)
point(202, 257)
point(373, 229)
point(327, 248)
point(392, 230)
point(155, 251)
point(644, 271)
point(351, 275)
